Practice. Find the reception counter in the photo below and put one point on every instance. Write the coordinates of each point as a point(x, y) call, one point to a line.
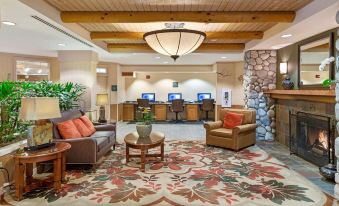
point(162, 111)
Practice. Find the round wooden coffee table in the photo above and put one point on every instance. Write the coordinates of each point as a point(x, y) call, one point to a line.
point(155, 139)
point(24, 164)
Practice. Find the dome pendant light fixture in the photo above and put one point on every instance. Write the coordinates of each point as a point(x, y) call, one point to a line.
point(174, 41)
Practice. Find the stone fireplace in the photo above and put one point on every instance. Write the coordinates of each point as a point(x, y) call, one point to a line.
point(312, 137)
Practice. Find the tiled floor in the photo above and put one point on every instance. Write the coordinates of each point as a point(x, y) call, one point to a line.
point(195, 131)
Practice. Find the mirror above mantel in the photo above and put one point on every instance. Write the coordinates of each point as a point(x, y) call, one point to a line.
point(311, 54)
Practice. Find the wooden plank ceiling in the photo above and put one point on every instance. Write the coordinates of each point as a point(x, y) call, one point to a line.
point(69, 6)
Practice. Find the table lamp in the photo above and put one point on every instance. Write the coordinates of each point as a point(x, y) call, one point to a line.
point(39, 109)
point(102, 100)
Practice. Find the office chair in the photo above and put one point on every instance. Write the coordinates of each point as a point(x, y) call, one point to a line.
point(143, 103)
point(207, 106)
point(177, 106)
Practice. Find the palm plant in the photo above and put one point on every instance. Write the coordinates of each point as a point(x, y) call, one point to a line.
point(11, 93)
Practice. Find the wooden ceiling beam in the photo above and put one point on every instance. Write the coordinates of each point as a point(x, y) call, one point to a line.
point(108, 36)
point(204, 48)
point(177, 16)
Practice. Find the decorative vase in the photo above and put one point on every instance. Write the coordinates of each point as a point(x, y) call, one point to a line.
point(287, 83)
point(144, 130)
point(4, 114)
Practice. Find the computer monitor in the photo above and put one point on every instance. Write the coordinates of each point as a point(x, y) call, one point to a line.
point(202, 96)
point(172, 96)
point(149, 96)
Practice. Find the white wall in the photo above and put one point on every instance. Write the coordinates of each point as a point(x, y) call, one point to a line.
point(233, 71)
point(161, 84)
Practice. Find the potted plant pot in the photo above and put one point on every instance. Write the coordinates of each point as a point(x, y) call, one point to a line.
point(144, 130)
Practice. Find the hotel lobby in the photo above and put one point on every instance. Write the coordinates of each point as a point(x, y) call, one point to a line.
point(130, 102)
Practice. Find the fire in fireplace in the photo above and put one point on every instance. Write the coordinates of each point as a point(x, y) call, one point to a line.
point(311, 137)
point(318, 139)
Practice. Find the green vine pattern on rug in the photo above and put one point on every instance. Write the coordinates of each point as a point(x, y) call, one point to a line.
point(11, 128)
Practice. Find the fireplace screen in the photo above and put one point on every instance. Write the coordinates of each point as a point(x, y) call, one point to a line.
point(311, 137)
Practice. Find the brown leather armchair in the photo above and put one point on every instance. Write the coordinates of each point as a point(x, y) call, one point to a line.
point(237, 138)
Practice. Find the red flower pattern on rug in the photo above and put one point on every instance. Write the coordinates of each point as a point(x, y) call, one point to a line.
point(191, 174)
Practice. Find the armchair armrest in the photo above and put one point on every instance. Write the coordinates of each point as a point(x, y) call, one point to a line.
point(105, 127)
point(213, 125)
point(244, 128)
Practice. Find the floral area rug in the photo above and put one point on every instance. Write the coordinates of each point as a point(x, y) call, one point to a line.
point(192, 174)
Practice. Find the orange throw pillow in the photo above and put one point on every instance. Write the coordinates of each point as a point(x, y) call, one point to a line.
point(82, 128)
point(232, 120)
point(68, 130)
point(88, 123)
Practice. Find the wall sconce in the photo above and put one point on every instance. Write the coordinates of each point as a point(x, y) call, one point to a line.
point(286, 82)
point(283, 68)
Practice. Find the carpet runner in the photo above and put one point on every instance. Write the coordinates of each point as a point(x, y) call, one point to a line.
point(192, 174)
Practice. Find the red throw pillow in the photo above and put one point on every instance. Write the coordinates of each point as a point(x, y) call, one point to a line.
point(88, 123)
point(82, 128)
point(68, 130)
point(232, 120)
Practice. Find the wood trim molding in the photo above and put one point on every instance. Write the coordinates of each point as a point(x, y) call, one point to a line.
point(168, 16)
point(107, 36)
point(204, 48)
point(323, 96)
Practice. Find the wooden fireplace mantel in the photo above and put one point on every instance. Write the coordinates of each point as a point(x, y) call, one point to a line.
point(324, 96)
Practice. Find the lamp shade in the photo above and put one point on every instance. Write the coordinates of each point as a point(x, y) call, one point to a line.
point(174, 42)
point(38, 108)
point(102, 99)
point(283, 68)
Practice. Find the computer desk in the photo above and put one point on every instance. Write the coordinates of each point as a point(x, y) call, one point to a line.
point(162, 113)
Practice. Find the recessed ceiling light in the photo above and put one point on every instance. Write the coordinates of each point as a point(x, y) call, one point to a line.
point(8, 23)
point(165, 62)
point(286, 35)
point(61, 44)
point(224, 57)
point(157, 57)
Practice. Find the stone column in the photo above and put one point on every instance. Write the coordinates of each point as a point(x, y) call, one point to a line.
point(80, 67)
point(260, 74)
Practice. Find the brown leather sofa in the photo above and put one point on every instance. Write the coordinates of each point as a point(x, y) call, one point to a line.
point(86, 150)
point(237, 138)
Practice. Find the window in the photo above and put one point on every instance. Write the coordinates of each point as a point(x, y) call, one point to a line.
point(101, 70)
point(28, 70)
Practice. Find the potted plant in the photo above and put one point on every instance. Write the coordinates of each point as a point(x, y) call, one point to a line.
point(144, 125)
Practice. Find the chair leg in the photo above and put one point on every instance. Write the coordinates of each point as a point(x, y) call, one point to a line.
point(176, 117)
point(206, 115)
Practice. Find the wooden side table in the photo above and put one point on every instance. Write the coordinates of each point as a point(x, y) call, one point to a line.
point(24, 165)
point(155, 139)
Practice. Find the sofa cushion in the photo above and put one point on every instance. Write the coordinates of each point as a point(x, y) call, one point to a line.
point(88, 123)
point(68, 130)
point(221, 132)
point(108, 134)
point(82, 128)
point(232, 120)
point(101, 142)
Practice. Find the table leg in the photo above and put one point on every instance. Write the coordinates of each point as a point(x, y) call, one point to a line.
point(143, 160)
point(19, 180)
point(63, 167)
point(162, 151)
point(57, 173)
point(127, 154)
point(29, 173)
